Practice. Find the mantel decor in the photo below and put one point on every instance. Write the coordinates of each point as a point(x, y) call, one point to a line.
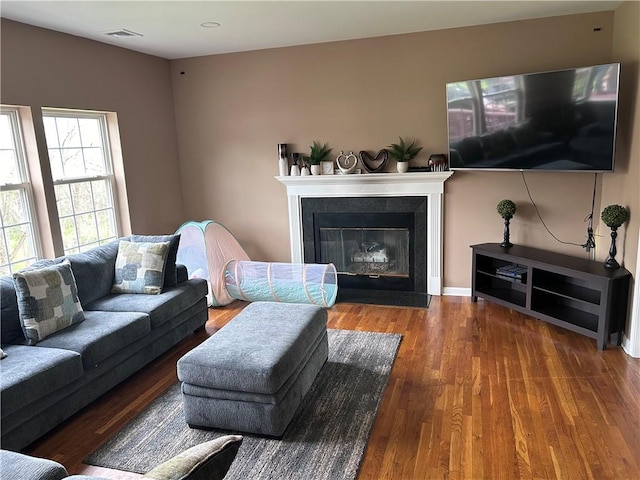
point(614, 216)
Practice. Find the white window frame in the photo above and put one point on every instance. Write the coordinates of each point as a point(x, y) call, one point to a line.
point(26, 192)
point(109, 176)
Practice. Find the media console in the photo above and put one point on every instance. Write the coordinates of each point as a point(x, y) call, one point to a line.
point(574, 293)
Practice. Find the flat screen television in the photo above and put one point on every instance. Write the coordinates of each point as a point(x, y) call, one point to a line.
point(562, 120)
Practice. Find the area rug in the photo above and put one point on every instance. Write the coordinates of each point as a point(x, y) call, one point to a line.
point(325, 440)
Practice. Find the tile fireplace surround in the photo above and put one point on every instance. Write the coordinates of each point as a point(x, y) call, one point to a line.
point(422, 184)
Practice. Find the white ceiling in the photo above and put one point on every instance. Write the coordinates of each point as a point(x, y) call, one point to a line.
point(171, 29)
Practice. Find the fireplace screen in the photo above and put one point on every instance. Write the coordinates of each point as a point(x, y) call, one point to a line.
point(374, 252)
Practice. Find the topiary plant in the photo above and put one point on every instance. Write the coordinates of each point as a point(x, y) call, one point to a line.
point(614, 216)
point(506, 208)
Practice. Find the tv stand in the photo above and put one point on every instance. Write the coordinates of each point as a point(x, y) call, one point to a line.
point(574, 293)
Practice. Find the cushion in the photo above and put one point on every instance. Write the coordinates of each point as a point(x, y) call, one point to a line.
point(18, 465)
point(10, 328)
point(140, 267)
point(206, 461)
point(170, 275)
point(94, 271)
point(47, 300)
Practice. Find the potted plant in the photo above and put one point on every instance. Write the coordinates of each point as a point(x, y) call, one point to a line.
point(319, 153)
point(614, 216)
point(403, 152)
point(507, 209)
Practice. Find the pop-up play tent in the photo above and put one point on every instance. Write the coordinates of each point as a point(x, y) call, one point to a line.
point(205, 248)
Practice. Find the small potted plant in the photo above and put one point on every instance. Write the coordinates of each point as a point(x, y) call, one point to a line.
point(506, 209)
point(403, 152)
point(319, 153)
point(614, 216)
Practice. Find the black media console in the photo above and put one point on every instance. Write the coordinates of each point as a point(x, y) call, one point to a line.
point(578, 294)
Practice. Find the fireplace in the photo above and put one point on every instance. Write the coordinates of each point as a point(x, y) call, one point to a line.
point(377, 244)
point(390, 188)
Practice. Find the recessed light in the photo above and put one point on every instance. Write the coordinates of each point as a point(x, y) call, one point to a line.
point(210, 24)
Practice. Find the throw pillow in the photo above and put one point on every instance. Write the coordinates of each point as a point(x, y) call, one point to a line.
point(170, 273)
point(140, 267)
point(47, 300)
point(206, 461)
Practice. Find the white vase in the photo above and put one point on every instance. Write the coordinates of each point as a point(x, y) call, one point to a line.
point(305, 171)
point(283, 167)
point(315, 170)
point(295, 171)
point(403, 167)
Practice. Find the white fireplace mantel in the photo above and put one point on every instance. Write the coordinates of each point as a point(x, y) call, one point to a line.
point(423, 184)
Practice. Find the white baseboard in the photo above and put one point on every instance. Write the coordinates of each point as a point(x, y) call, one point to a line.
point(456, 291)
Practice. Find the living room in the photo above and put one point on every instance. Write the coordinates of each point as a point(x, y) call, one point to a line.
point(199, 135)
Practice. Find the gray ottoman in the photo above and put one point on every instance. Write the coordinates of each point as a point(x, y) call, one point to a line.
point(252, 374)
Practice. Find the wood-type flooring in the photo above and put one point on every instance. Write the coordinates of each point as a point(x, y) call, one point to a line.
point(477, 392)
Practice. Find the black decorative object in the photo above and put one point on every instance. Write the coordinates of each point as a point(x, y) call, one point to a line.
point(506, 209)
point(614, 216)
point(376, 163)
point(438, 162)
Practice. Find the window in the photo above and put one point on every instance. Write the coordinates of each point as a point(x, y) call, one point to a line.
point(82, 173)
point(18, 245)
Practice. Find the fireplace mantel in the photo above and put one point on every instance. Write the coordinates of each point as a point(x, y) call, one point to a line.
point(423, 184)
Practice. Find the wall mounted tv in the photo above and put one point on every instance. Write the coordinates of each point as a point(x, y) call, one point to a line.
point(560, 121)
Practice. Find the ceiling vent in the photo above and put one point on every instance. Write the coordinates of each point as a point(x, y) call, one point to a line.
point(123, 33)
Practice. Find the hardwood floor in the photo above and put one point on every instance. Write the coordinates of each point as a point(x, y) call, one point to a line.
point(477, 392)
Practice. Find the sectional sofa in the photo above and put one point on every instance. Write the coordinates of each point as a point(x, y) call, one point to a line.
point(43, 384)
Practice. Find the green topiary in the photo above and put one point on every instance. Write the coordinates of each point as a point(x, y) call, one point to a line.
point(614, 215)
point(506, 208)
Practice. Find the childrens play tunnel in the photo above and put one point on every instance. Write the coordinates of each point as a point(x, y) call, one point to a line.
point(312, 283)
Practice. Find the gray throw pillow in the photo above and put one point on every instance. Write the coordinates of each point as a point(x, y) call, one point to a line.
point(170, 274)
point(47, 300)
point(206, 461)
point(140, 267)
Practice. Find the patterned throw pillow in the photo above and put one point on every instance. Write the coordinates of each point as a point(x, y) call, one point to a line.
point(47, 300)
point(140, 267)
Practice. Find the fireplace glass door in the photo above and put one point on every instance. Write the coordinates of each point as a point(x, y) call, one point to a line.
point(371, 252)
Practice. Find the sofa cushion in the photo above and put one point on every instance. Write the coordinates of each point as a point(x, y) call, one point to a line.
point(47, 300)
point(94, 271)
point(170, 274)
point(206, 461)
point(101, 335)
point(32, 372)
point(160, 308)
point(10, 328)
point(14, 465)
point(140, 267)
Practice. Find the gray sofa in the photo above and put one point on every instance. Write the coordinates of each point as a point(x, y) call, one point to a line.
point(43, 385)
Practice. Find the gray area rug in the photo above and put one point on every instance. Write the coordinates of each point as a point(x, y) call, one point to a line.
point(325, 440)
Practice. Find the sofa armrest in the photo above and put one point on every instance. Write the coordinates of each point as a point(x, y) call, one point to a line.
point(182, 272)
point(18, 465)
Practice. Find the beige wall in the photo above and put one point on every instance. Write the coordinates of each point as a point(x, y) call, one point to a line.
point(45, 68)
point(625, 188)
point(232, 110)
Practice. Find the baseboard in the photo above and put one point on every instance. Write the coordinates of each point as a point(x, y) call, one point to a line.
point(456, 291)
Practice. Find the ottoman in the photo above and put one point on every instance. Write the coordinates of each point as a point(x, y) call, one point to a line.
point(253, 373)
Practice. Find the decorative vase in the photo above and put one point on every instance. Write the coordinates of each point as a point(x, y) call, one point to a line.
point(305, 171)
point(283, 163)
point(505, 240)
point(315, 170)
point(403, 167)
point(295, 171)
point(611, 261)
